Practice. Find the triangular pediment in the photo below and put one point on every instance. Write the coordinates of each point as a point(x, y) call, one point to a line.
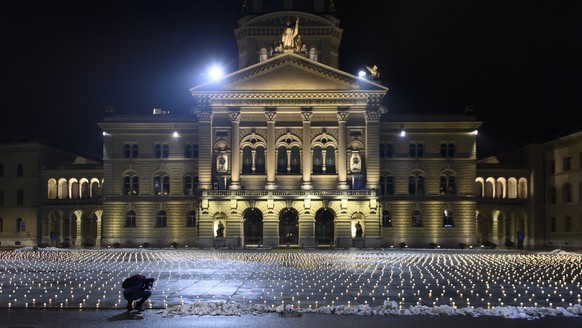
point(289, 73)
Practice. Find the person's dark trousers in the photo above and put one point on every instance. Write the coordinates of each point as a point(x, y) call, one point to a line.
point(140, 296)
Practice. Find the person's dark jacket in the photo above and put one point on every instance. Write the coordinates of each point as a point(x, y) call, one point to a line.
point(137, 283)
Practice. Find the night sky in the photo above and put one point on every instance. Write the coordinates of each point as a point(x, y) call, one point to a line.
point(518, 63)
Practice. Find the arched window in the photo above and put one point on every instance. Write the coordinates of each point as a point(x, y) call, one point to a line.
point(74, 188)
point(295, 160)
point(568, 193)
point(131, 185)
point(260, 160)
point(489, 189)
point(330, 160)
point(282, 160)
point(317, 160)
point(416, 185)
point(161, 221)
point(447, 185)
point(247, 160)
point(96, 189)
point(20, 225)
point(52, 189)
point(62, 191)
point(85, 191)
point(161, 185)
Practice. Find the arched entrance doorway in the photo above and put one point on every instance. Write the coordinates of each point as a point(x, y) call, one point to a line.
point(324, 227)
point(289, 226)
point(253, 226)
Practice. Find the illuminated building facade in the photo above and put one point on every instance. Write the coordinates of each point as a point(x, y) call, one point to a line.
point(289, 150)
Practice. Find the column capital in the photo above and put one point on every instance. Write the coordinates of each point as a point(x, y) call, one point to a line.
point(234, 115)
point(306, 115)
point(270, 115)
point(342, 114)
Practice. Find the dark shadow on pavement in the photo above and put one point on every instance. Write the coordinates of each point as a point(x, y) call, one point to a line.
point(126, 316)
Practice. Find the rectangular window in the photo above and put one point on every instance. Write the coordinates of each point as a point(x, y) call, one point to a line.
point(567, 163)
point(158, 151)
point(20, 198)
point(388, 150)
point(20, 170)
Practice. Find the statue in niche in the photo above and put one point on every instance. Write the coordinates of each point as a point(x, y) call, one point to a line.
point(220, 229)
point(221, 164)
point(359, 231)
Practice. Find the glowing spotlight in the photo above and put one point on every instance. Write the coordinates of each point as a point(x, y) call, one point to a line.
point(216, 72)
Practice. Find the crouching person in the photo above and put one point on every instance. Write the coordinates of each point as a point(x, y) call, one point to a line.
point(137, 288)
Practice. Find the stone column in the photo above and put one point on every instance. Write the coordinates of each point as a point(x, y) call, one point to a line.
point(342, 116)
point(306, 115)
point(99, 231)
point(372, 151)
point(205, 149)
point(494, 235)
point(235, 149)
point(271, 115)
point(78, 242)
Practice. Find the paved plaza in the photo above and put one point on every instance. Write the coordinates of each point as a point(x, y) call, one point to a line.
point(352, 281)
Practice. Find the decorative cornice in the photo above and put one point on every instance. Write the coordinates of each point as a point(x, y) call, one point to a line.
point(204, 116)
point(372, 115)
point(296, 99)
